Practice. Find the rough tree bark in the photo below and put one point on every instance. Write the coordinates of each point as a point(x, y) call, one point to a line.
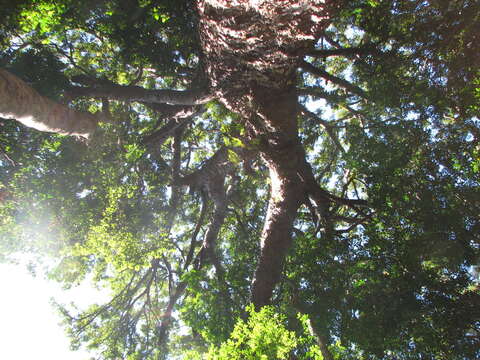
point(252, 50)
point(20, 102)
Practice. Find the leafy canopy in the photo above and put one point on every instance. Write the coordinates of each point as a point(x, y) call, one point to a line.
point(388, 112)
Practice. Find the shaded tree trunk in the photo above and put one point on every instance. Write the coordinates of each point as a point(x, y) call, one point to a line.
point(20, 102)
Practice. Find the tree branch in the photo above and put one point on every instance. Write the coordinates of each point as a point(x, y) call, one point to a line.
point(21, 102)
point(182, 117)
point(318, 93)
point(217, 165)
point(198, 226)
point(334, 79)
point(325, 125)
point(137, 93)
point(349, 52)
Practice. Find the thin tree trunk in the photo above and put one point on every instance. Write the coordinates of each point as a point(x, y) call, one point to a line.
point(20, 102)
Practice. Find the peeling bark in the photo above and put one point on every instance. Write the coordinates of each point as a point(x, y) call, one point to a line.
point(20, 102)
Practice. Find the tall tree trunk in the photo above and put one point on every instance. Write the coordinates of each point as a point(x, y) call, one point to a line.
point(20, 102)
point(283, 154)
point(252, 50)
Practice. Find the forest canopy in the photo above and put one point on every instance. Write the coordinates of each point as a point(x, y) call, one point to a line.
point(248, 179)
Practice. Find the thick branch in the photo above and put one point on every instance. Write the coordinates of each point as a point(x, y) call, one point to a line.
point(21, 102)
point(320, 195)
point(317, 92)
point(137, 93)
point(216, 166)
point(217, 192)
point(169, 111)
point(198, 226)
point(321, 340)
point(158, 137)
point(175, 168)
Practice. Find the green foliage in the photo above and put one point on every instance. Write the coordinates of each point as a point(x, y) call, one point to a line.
point(397, 284)
point(263, 336)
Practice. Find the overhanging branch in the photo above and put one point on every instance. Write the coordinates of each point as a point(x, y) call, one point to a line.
point(334, 79)
point(346, 52)
point(106, 89)
point(21, 102)
point(325, 125)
